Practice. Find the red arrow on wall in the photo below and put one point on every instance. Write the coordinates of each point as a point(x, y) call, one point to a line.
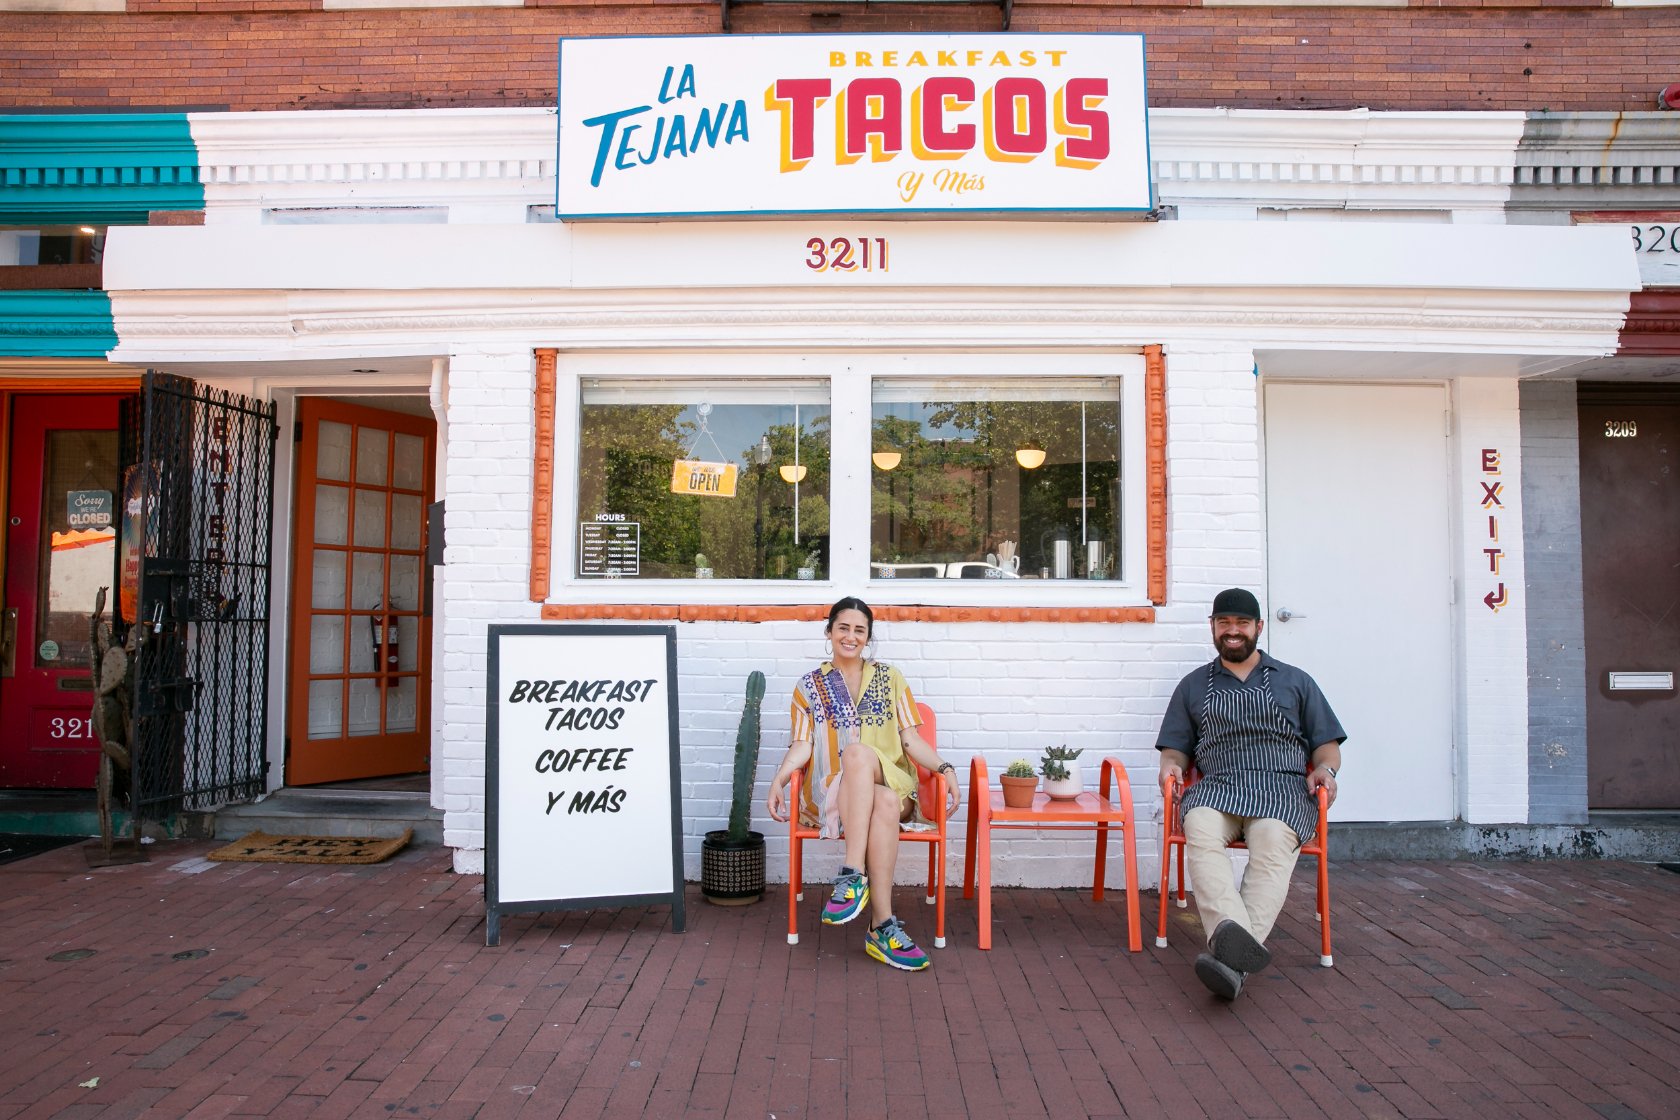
point(1495, 599)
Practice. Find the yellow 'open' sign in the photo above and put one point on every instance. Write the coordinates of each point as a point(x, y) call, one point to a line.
point(707, 480)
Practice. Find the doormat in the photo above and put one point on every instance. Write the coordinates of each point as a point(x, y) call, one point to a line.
point(260, 847)
point(15, 846)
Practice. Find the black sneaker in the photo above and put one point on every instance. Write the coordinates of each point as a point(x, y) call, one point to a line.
point(1234, 947)
point(1222, 980)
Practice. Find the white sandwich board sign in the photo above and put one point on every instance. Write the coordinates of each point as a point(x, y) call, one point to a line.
point(583, 802)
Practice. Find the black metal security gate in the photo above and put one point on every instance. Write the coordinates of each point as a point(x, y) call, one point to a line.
point(198, 495)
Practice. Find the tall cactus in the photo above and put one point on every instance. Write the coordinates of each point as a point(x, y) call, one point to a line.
point(746, 759)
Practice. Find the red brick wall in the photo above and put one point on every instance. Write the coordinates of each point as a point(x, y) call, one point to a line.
point(225, 54)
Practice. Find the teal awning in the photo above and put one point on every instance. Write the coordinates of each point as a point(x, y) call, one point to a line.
point(56, 325)
point(96, 169)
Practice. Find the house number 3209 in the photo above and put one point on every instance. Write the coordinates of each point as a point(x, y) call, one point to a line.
point(843, 254)
point(1620, 429)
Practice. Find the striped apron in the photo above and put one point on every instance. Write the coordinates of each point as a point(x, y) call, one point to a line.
point(1253, 761)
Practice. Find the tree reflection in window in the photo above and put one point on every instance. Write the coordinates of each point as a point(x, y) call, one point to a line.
point(626, 454)
point(958, 502)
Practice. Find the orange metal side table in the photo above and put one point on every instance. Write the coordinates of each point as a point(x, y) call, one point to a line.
point(1098, 811)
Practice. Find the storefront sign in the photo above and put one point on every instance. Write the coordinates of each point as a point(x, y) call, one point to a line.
point(583, 798)
point(900, 124)
point(706, 480)
point(89, 509)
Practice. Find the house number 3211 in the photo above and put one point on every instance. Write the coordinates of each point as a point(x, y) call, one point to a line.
point(843, 254)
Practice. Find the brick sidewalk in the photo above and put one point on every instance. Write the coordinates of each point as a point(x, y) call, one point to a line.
point(1460, 990)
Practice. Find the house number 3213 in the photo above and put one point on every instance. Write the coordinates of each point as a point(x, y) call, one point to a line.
point(843, 254)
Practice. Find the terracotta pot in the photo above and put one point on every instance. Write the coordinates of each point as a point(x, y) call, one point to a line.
point(1018, 792)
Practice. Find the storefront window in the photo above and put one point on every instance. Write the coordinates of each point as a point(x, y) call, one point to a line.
point(996, 479)
point(687, 480)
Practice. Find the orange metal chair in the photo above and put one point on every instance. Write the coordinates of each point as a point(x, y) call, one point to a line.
point(1172, 836)
point(930, 792)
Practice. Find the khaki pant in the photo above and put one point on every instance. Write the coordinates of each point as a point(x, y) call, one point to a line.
point(1273, 849)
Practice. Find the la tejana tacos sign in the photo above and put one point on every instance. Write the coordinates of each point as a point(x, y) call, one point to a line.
point(853, 124)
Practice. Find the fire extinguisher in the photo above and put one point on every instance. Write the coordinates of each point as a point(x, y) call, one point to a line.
point(384, 627)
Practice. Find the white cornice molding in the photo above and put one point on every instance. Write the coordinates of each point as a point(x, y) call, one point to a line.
point(699, 259)
point(412, 157)
point(357, 131)
point(374, 158)
point(179, 326)
point(1353, 159)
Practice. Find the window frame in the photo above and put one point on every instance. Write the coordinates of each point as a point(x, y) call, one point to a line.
point(851, 378)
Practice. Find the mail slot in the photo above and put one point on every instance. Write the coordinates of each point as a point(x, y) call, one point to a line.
point(1641, 682)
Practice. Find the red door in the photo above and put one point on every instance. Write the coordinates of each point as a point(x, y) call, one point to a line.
point(60, 550)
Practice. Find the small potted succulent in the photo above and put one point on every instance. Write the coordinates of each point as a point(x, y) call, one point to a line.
point(702, 566)
point(1020, 782)
point(1060, 768)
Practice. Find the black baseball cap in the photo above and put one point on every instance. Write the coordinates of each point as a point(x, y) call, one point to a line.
point(1236, 603)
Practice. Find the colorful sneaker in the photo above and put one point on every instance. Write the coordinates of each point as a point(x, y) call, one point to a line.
point(889, 944)
point(851, 891)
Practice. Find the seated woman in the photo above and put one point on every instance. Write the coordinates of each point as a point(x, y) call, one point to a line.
point(863, 781)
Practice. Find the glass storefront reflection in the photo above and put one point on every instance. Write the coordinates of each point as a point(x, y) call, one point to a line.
point(990, 479)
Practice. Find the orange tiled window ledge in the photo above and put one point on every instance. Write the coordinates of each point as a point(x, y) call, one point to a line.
point(698, 612)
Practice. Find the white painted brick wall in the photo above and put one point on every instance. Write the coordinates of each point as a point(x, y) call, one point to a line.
point(1493, 701)
point(487, 564)
point(1001, 690)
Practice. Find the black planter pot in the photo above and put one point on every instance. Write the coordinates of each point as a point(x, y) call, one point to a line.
point(732, 871)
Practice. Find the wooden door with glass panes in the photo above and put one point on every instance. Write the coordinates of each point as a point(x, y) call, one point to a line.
point(361, 640)
point(60, 550)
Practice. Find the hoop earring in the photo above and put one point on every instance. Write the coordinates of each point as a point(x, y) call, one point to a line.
point(829, 644)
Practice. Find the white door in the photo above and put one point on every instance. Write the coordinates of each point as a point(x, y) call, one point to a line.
point(1358, 559)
